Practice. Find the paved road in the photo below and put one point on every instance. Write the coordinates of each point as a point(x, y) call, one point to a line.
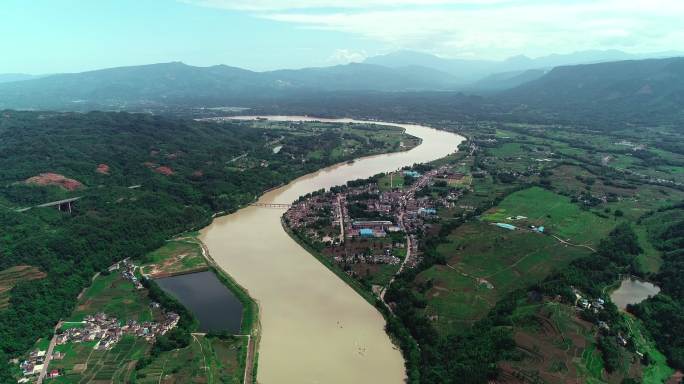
point(48, 355)
point(400, 221)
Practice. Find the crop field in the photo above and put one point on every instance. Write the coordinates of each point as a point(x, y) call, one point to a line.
point(11, 276)
point(555, 345)
point(556, 213)
point(484, 263)
point(178, 256)
point(205, 360)
point(377, 274)
point(658, 371)
point(116, 297)
point(391, 181)
point(506, 150)
point(83, 364)
point(386, 138)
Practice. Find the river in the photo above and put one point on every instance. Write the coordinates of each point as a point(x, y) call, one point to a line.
point(315, 328)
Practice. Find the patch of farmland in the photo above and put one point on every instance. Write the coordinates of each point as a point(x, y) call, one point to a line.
point(555, 212)
point(484, 263)
point(13, 275)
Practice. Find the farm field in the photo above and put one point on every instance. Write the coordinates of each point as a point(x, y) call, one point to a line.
point(175, 257)
point(206, 360)
point(556, 213)
point(83, 364)
point(554, 344)
point(397, 181)
point(484, 263)
point(11, 276)
point(356, 137)
point(116, 297)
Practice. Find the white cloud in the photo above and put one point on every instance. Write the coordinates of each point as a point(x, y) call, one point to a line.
point(346, 56)
point(486, 29)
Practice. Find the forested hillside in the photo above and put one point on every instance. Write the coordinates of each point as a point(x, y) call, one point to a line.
point(141, 179)
point(638, 89)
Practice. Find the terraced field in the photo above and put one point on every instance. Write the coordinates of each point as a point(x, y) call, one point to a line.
point(11, 276)
point(205, 360)
point(484, 263)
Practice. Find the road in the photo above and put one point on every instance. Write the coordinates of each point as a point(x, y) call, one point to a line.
point(400, 221)
point(408, 195)
point(341, 213)
point(48, 355)
point(573, 245)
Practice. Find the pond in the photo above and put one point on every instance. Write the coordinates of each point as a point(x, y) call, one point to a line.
point(633, 291)
point(212, 303)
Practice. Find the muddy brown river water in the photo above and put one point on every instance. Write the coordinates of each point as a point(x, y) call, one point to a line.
point(315, 328)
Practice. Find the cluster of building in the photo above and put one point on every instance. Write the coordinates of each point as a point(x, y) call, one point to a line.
point(598, 305)
point(33, 365)
point(351, 236)
point(385, 257)
point(107, 331)
point(127, 271)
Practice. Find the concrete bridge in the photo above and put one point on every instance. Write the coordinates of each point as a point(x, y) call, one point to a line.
point(62, 205)
point(272, 205)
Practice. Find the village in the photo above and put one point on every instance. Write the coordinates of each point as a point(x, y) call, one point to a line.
point(107, 331)
point(362, 227)
point(103, 330)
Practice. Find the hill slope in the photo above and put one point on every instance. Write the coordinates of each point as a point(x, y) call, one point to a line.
point(637, 88)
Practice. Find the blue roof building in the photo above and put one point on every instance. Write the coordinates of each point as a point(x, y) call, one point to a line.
point(505, 226)
point(411, 173)
point(366, 232)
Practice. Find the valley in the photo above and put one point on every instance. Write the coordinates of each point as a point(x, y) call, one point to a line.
point(208, 228)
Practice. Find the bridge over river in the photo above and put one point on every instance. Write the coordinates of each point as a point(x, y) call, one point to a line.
point(271, 205)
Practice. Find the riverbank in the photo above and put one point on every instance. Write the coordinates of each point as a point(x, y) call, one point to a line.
point(249, 326)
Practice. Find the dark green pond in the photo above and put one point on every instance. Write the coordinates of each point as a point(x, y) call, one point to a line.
point(212, 303)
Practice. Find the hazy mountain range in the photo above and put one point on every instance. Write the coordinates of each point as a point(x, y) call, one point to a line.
point(627, 85)
point(9, 77)
point(178, 82)
point(470, 72)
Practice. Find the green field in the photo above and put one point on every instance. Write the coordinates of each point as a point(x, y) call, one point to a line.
point(506, 150)
point(484, 263)
point(83, 364)
point(556, 346)
point(206, 360)
point(396, 182)
point(177, 256)
point(556, 213)
point(116, 297)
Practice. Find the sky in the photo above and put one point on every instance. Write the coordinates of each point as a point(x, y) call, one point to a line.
point(51, 36)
